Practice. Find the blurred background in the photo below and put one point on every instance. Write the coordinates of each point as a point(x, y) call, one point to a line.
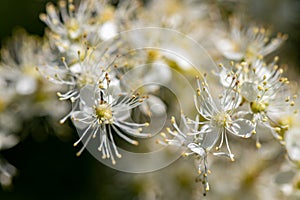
point(47, 165)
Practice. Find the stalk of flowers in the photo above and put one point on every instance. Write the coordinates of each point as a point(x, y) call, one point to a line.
point(266, 94)
point(183, 136)
point(103, 113)
point(239, 42)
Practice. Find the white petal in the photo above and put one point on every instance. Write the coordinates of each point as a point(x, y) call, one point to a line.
point(293, 143)
point(77, 116)
point(114, 88)
point(76, 68)
point(242, 128)
point(26, 85)
point(87, 95)
point(108, 30)
point(243, 114)
point(197, 149)
point(249, 91)
point(154, 105)
point(122, 115)
point(7, 141)
point(212, 135)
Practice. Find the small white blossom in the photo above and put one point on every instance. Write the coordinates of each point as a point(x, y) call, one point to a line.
point(219, 118)
point(86, 71)
point(104, 114)
point(265, 91)
point(94, 20)
point(246, 42)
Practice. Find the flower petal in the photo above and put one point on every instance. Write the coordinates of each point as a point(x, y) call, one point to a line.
point(242, 128)
point(80, 119)
point(154, 106)
point(87, 95)
point(197, 149)
point(212, 135)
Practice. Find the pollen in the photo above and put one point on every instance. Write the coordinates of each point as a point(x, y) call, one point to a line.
point(258, 107)
point(104, 113)
point(222, 119)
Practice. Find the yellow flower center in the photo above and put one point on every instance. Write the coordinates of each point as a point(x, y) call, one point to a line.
point(258, 107)
point(104, 113)
point(222, 119)
point(85, 79)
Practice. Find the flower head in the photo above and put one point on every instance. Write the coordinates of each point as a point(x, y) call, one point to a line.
point(87, 70)
point(247, 43)
point(219, 121)
point(95, 21)
point(104, 113)
point(266, 93)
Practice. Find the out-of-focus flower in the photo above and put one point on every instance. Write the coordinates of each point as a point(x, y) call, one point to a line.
point(291, 134)
point(94, 20)
point(7, 172)
point(248, 43)
point(189, 17)
point(103, 113)
point(25, 93)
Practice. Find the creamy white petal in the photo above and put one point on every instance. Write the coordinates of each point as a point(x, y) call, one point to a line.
point(81, 119)
point(197, 149)
point(87, 95)
point(242, 128)
point(212, 135)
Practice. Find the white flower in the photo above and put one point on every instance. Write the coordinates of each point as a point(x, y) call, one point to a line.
point(255, 79)
point(94, 20)
point(267, 110)
point(219, 118)
point(20, 55)
point(24, 93)
point(176, 15)
point(246, 42)
point(266, 95)
point(104, 114)
point(86, 71)
point(68, 23)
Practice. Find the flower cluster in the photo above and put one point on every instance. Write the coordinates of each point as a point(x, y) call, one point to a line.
point(92, 60)
point(254, 101)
